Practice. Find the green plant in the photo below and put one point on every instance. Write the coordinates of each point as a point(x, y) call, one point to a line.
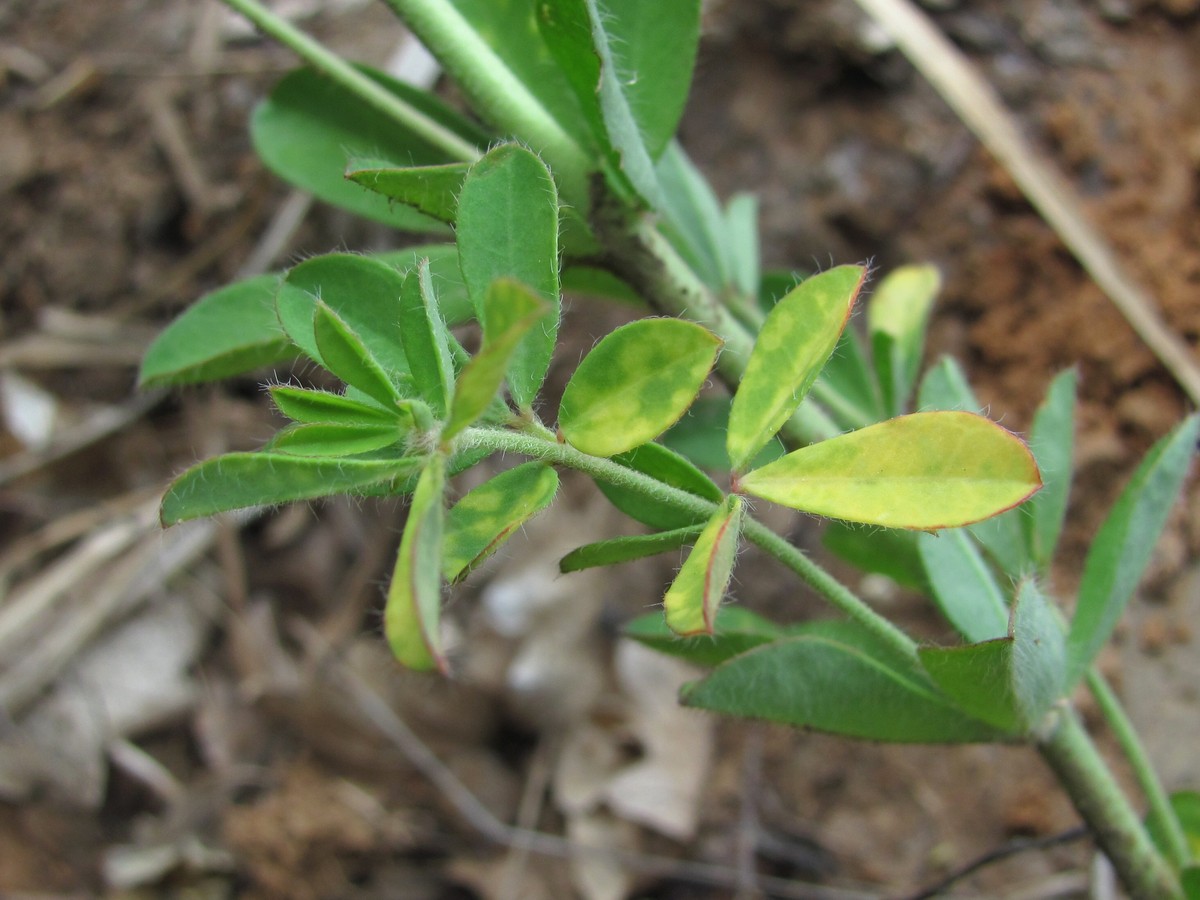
point(583, 187)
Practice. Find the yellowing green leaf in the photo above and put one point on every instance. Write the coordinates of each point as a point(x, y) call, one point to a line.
point(796, 340)
point(635, 384)
point(924, 471)
point(695, 595)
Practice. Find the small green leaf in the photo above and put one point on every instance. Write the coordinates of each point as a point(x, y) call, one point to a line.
point(310, 127)
point(897, 317)
point(1125, 543)
point(737, 630)
point(346, 356)
point(1186, 807)
point(668, 467)
point(696, 593)
point(241, 480)
point(1189, 880)
point(978, 678)
point(1039, 658)
point(742, 249)
point(923, 471)
point(1052, 442)
point(310, 407)
point(699, 436)
point(963, 586)
point(513, 311)
point(432, 190)
point(847, 386)
point(487, 516)
point(945, 387)
point(796, 340)
point(414, 601)
point(692, 217)
point(595, 282)
point(426, 341)
point(334, 440)
point(230, 331)
point(635, 384)
point(508, 228)
point(836, 681)
point(884, 551)
point(626, 549)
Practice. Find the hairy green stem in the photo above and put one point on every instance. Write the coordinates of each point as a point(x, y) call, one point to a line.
point(1118, 831)
point(1161, 814)
point(340, 71)
point(606, 470)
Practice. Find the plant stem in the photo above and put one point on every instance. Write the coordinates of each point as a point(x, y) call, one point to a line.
point(608, 471)
point(1161, 814)
point(1088, 781)
point(340, 71)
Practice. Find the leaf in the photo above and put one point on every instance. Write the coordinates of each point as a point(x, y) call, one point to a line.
point(884, 551)
point(1186, 807)
point(432, 190)
point(737, 630)
point(742, 249)
point(513, 311)
point(699, 436)
point(836, 681)
point(310, 127)
point(241, 480)
point(1125, 542)
point(227, 332)
point(945, 387)
point(668, 467)
point(978, 678)
point(487, 516)
point(692, 217)
point(1039, 660)
point(847, 386)
point(897, 317)
point(697, 591)
point(346, 356)
point(426, 341)
point(1052, 442)
point(923, 471)
point(365, 295)
point(454, 304)
point(795, 342)
point(635, 384)
point(1189, 880)
point(963, 586)
point(508, 228)
point(593, 281)
point(311, 407)
point(626, 549)
point(334, 440)
point(414, 601)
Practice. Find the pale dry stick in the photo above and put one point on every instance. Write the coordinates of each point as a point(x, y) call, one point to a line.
point(202, 195)
point(479, 817)
point(976, 103)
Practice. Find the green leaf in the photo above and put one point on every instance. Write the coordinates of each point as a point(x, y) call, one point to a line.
point(692, 217)
point(737, 630)
point(847, 386)
point(696, 593)
point(310, 127)
point(334, 440)
point(626, 549)
point(836, 681)
point(897, 317)
point(310, 407)
point(346, 356)
point(668, 467)
point(1052, 442)
point(414, 601)
point(513, 310)
point(1039, 658)
point(432, 190)
point(241, 480)
point(1125, 542)
point(978, 678)
point(1186, 806)
point(599, 283)
point(1189, 879)
point(945, 387)
point(508, 228)
point(963, 586)
point(426, 341)
point(884, 551)
point(699, 436)
point(795, 342)
point(227, 332)
point(923, 471)
point(453, 301)
point(487, 516)
point(365, 295)
point(635, 384)
point(742, 249)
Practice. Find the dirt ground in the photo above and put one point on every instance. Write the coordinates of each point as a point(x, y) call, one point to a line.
point(210, 711)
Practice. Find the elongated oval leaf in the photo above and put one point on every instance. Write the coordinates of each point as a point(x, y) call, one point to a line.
point(1052, 440)
point(670, 468)
point(884, 551)
point(1125, 543)
point(426, 340)
point(796, 340)
point(737, 630)
point(697, 591)
point(978, 677)
point(508, 228)
point(923, 471)
point(414, 602)
point(347, 357)
point(626, 549)
point(1039, 660)
point(896, 320)
point(241, 480)
point(311, 407)
point(230, 331)
point(487, 516)
point(310, 127)
point(635, 384)
point(432, 190)
point(847, 385)
point(334, 440)
point(963, 586)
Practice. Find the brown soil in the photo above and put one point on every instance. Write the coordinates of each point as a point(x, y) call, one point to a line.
point(129, 189)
